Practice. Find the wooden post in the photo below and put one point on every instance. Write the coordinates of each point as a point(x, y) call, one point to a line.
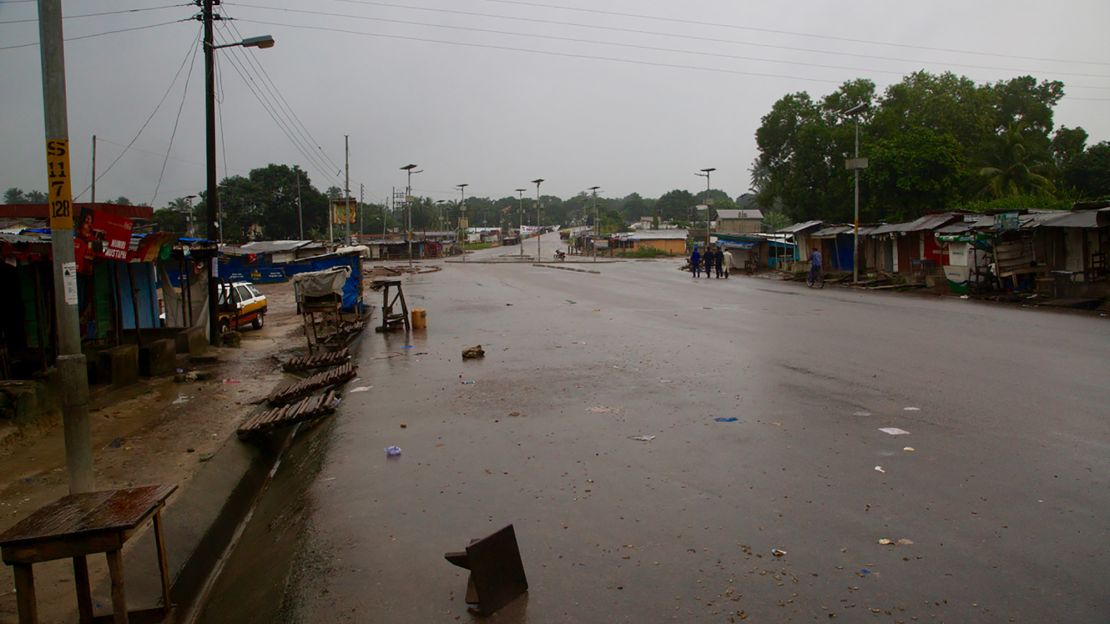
point(163, 565)
point(115, 571)
point(84, 592)
point(25, 594)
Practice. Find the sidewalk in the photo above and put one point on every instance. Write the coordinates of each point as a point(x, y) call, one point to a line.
point(156, 431)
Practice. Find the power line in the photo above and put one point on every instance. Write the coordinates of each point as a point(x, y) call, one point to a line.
point(120, 12)
point(173, 133)
point(614, 43)
point(100, 34)
point(789, 32)
point(534, 20)
point(546, 52)
point(249, 81)
point(191, 53)
point(100, 139)
point(311, 140)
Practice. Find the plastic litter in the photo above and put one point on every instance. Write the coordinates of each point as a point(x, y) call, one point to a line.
point(726, 419)
point(473, 353)
point(886, 542)
point(642, 438)
point(468, 382)
point(861, 413)
point(911, 409)
point(879, 469)
point(895, 431)
point(905, 542)
point(360, 389)
point(778, 552)
point(908, 449)
point(392, 451)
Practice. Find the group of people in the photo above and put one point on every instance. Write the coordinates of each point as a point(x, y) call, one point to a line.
point(714, 259)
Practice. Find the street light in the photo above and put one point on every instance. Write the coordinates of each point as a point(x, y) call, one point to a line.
point(705, 174)
point(597, 222)
point(520, 232)
point(212, 198)
point(408, 169)
point(462, 214)
point(539, 232)
point(855, 164)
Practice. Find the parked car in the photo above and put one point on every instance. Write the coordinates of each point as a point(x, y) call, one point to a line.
point(240, 304)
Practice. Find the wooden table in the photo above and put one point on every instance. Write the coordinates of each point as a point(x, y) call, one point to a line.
point(84, 524)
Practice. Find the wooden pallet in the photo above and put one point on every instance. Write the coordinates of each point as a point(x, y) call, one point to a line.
point(305, 409)
point(293, 391)
point(319, 360)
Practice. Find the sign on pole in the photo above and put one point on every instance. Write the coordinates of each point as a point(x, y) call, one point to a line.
point(61, 193)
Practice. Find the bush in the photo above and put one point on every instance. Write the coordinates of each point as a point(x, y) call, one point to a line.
point(644, 252)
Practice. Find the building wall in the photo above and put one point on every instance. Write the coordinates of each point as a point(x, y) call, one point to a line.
point(674, 246)
point(739, 226)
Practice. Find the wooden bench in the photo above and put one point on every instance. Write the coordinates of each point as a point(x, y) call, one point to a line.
point(79, 525)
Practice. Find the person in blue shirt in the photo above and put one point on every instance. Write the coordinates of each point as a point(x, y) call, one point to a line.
point(695, 262)
point(814, 265)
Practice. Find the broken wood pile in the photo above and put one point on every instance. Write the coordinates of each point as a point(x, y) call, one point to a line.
point(307, 408)
point(326, 379)
point(320, 360)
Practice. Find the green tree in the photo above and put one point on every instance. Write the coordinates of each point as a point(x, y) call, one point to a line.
point(1089, 173)
point(15, 196)
point(677, 205)
point(1014, 169)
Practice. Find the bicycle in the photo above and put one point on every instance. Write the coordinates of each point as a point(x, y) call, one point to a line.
point(815, 279)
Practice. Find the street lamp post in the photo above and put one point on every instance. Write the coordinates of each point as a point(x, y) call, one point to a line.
point(408, 169)
point(597, 222)
point(212, 197)
point(705, 174)
point(856, 164)
point(520, 232)
point(462, 216)
point(539, 232)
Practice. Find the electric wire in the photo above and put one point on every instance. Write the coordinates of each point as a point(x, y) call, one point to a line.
point(624, 45)
point(101, 139)
point(789, 32)
point(306, 134)
point(545, 52)
point(683, 36)
point(173, 133)
point(101, 34)
point(190, 54)
point(119, 12)
point(282, 125)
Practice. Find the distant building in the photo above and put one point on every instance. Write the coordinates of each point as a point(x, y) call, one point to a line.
point(739, 221)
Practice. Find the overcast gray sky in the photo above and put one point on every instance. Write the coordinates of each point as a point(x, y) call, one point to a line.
point(631, 95)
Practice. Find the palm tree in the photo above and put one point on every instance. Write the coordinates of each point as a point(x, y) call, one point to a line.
point(1013, 170)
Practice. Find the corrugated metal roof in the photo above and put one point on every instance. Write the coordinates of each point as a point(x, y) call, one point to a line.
point(886, 228)
point(16, 239)
point(831, 231)
point(729, 213)
point(656, 235)
point(800, 227)
point(277, 246)
point(1079, 219)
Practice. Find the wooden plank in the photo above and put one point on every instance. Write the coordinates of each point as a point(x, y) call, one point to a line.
point(88, 513)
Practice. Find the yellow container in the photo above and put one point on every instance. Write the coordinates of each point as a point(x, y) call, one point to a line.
point(419, 318)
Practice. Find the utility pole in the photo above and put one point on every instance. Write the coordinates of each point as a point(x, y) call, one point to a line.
point(462, 215)
point(73, 380)
point(520, 232)
point(300, 208)
point(408, 169)
point(361, 210)
point(708, 203)
point(347, 184)
point(597, 221)
point(856, 164)
point(212, 194)
point(387, 202)
point(539, 231)
point(93, 199)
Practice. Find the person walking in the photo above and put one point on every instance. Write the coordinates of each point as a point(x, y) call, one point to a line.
point(707, 257)
point(727, 261)
point(695, 262)
point(719, 261)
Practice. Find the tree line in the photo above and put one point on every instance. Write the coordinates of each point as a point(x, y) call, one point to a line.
point(933, 141)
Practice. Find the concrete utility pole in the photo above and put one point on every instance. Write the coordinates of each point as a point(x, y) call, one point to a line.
point(347, 184)
point(708, 203)
point(539, 231)
point(856, 164)
point(597, 221)
point(408, 169)
point(462, 216)
point(520, 232)
point(72, 380)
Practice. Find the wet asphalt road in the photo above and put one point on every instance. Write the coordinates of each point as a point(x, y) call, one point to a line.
point(1004, 496)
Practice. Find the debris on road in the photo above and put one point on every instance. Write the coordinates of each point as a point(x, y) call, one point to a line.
point(360, 389)
point(392, 451)
point(468, 382)
point(861, 413)
point(911, 409)
point(726, 419)
point(642, 438)
point(894, 431)
point(320, 360)
point(778, 552)
point(600, 409)
point(879, 469)
point(886, 542)
point(473, 353)
point(908, 449)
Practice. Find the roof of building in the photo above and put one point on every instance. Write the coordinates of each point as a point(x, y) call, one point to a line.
point(800, 227)
point(655, 235)
point(831, 231)
point(730, 213)
point(1077, 219)
point(277, 246)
